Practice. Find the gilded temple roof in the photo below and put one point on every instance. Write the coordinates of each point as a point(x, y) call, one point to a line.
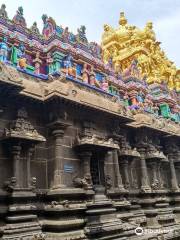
point(127, 43)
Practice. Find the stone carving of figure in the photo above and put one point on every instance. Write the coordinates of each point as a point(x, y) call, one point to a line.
point(3, 50)
point(3, 13)
point(37, 62)
point(81, 36)
point(34, 28)
point(49, 62)
point(18, 18)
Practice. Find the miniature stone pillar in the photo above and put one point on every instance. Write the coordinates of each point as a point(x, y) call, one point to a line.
point(29, 156)
point(86, 159)
point(107, 169)
point(59, 161)
point(145, 187)
point(16, 150)
point(154, 173)
point(174, 182)
point(116, 171)
point(126, 174)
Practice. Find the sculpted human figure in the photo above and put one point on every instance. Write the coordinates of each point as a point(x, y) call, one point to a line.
point(3, 50)
point(19, 18)
point(49, 62)
point(3, 13)
point(37, 62)
point(85, 73)
point(34, 28)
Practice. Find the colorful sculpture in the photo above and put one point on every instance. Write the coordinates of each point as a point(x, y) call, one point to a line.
point(49, 61)
point(85, 73)
point(37, 62)
point(104, 84)
point(49, 26)
point(92, 78)
point(68, 65)
point(18, 55)
point(133, 66)
point(81, 36)
point(3, 50)
point(129, 42)
point(18, 18)
point(34, 28)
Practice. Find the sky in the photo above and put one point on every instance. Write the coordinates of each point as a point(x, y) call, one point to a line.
point(165, 15)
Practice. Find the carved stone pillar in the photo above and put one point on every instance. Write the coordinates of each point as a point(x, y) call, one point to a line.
point(16, 150)
point(174, 182)
point(117, 171)
point(29, 156)
point(59, 161)
point(107, 169)
point(145, 187)
point(126, 173)
point(86, 159)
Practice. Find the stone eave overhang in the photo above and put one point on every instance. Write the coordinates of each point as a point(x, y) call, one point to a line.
point(10, 78)
point(160, 125)
point(83, 94)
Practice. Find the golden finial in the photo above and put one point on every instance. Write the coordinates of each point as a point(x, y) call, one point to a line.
point(122, 19)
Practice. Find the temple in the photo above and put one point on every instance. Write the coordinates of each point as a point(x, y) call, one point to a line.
point(89, 134)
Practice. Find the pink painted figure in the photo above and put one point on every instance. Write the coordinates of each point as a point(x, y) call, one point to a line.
point(37, 62)
point(92, 76)
point(85, 73)
point(105, 85)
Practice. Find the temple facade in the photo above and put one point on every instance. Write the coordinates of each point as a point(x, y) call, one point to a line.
point(89, 134)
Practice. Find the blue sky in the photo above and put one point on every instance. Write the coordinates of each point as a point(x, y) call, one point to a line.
point(165, 15)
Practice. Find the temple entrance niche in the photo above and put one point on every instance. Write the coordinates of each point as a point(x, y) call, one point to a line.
point(97, 169)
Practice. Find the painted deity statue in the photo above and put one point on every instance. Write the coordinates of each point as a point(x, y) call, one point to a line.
point(49, 26)
point(65, 34)
point(68, 63)
point(85, 73)
point(3, 13)
point(3, 50)
point(18, 18)
point(18, 56)
point(104, 84)
point(49, 62)
point(92, 78)
point(81, 36)
point(37, 63)
point(34, 28)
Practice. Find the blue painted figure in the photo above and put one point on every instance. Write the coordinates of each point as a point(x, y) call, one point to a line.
point(3, 50)
point(68, 63)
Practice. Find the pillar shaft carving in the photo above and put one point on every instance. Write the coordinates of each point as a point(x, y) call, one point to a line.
point(126, 173)
point(174, 182)
point(59, 161)
point(145, 186)
point(117, 171)
point(86, 160)
point(16, 151)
